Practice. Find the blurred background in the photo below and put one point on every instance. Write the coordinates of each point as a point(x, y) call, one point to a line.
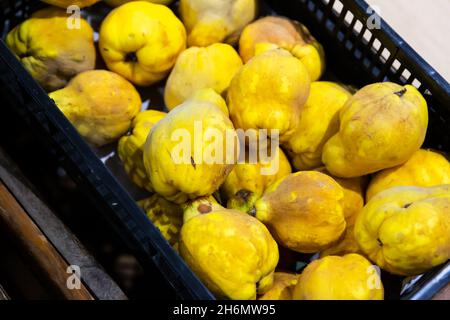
point(424, 24)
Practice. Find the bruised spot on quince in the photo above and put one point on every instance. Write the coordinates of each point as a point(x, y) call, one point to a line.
point(204, 208)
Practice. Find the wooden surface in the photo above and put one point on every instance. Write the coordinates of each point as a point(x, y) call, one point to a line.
point(425, 25)
point(35, 245)
point(69, 247)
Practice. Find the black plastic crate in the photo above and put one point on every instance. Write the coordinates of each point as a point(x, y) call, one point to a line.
point(355, 55)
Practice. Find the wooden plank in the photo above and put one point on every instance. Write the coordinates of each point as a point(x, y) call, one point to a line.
point(20, 276)
point(93, 275)
point(35, 245)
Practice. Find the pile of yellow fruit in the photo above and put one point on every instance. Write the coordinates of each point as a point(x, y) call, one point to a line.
point(352, 184)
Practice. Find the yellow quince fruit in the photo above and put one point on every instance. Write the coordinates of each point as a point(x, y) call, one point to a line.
point(282, 288)
point(353, 202)
point(318, 122)
point(381, 126)
point(248, 180)
point(406, 230)
point(231, 252)
point(351, 277)
point(131, 147)
point(199, 68)
point(66, 3)
point(202, 205)
point(100, 105)
point(268, 92)
point(425, 168)
point(303, 211)
point(186, 154)
point(287, 34)
point(41, 44)
point(208, 22)
point(141, 41)
point(347, 243)
point(116, 3)
point(165, 215)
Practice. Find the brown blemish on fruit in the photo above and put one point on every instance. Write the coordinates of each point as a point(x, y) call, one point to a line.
point(204, 208)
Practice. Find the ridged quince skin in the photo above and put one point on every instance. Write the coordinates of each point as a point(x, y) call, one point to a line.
point(319, 121)
point(41, 44)
point(165, 215)
point(425, 168)
point(247, 181)
point(268, 92)
point(282, 288)
point(209, 22)
point(303, 211)
point(287, 34)
point(100, 105)
point(66, 3)
point(131, 147)
point(179, 157)
point(353, 202)
point(141, 41)
point(351, 277)
point(347, 243)
point(231, 252)
point(199, 68)
point(406, 230)
point(381, 126)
